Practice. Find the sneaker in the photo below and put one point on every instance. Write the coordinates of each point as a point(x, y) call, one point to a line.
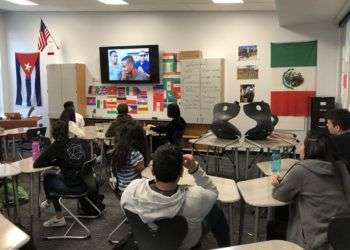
point(54, 222)
point(45, 204)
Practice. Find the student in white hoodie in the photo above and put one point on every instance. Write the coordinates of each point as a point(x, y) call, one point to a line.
point(164, 198)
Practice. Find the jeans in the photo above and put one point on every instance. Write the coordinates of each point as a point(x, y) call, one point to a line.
point(54, 186)
point(217, 224)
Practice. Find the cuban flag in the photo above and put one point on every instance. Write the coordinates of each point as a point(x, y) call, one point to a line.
point(28, 79)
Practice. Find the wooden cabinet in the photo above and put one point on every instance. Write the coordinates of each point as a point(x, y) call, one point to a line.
point(66, 82)
point(202, 86)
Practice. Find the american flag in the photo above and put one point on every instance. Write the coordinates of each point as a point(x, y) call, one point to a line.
point(44, 34)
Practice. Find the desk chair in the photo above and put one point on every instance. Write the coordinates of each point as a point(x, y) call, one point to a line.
point(266, 121)
point(113, 183)
point(168, 236)
point(90, 181)
point(338, 232)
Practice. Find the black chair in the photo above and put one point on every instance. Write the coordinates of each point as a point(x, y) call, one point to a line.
point(221, 127)
point(87, 174)
point(266, 121)
point(113, 183)
point(338, 232)
point(168, 236)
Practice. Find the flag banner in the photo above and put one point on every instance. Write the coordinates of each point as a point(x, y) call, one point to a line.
point(44, 35)
point(291, 103)
point(28, 79)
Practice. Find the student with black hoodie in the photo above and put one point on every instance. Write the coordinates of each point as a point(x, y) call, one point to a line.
point(175, 128)
point(69, 155)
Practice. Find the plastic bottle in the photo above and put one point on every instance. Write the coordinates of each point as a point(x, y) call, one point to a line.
point(35, 150)
point(275, 161)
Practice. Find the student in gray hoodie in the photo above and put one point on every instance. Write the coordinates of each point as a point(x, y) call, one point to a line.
point(317, 191)
point(164, 198)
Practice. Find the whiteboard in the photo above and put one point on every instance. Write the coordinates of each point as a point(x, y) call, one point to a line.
point(202, 83)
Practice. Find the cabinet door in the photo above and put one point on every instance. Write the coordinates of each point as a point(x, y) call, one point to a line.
point(69, 85)
point(190, 90)
point(54, 90)
point(211, 87)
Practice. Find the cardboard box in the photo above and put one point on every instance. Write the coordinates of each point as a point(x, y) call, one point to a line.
point(190, 54)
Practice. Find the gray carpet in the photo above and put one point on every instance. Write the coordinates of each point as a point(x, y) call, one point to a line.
point(101, 227)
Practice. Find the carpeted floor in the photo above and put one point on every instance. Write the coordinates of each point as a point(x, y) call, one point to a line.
point(101, 227)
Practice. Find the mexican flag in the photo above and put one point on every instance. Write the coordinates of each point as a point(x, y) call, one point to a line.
point(294, 76)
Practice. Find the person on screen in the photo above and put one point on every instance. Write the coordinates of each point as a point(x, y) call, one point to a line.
point(130, 72)
point(143, 64)
point(115, 69)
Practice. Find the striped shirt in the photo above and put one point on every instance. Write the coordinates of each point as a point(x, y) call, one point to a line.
point(128, 173)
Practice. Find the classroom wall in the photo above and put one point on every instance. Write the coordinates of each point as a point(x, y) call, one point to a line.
point(217, 34)
point(3, 64)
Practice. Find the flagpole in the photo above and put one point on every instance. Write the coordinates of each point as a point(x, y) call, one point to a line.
point(52, 37)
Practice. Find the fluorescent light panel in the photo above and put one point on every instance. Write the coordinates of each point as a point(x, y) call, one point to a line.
point(227, 1)
point(22, 2)
point(113, 2)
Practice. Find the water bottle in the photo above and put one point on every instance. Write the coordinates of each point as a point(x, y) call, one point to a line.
point(275, 161)
point(35, 150)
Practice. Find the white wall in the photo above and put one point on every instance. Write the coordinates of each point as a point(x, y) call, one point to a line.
point(217, 34)
point(3, 65)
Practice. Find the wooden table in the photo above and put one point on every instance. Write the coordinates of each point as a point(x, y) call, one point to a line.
point(286, 164)
point(21, 123)
point(257, 193)
point(265, 245)
point(26, 167)
point(7, 170)
point(227, 188)
point(11, 237)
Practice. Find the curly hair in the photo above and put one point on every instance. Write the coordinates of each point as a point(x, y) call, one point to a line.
point(132, 137)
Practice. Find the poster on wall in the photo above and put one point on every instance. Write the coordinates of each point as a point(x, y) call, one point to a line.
point(247, 53)
point(247, 93)
point(247, 72)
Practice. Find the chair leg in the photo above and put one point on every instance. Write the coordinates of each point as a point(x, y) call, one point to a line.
point(99, 212)
point(114, 230)
point(76, 220)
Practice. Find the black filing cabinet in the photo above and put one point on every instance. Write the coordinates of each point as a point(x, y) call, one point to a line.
point(319, 107)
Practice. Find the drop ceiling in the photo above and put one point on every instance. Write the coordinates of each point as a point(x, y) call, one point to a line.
point(140, 5)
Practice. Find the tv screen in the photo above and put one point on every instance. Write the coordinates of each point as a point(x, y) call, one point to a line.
point(129, 64)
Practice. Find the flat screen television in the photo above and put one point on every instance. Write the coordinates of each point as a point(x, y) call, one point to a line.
point(129, 64)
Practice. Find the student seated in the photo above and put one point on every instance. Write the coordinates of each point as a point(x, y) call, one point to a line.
point(164, 198)
point(338, 124)
point(316, 191)
point(69, 155)
point(122, 118)
point(130, 155)
point(68, 116)
point(174, 130)
point(79, 119)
